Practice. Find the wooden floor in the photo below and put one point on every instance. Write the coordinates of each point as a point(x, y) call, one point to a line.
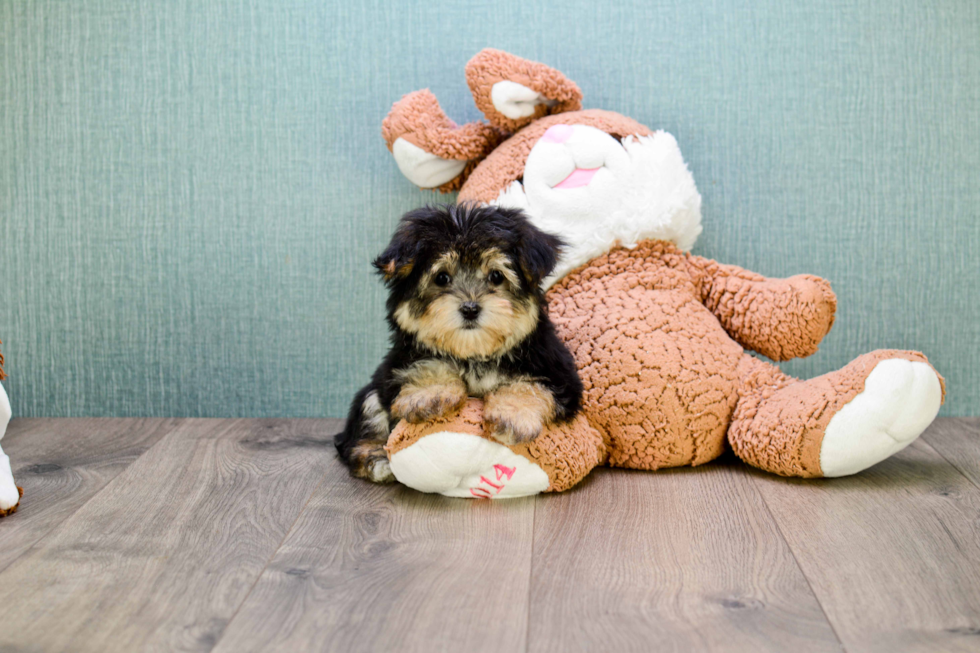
point(247, 535)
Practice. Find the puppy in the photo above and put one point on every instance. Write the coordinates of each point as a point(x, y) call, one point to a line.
point(467, 319)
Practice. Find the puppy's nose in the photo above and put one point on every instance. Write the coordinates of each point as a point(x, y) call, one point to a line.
point(469, 310)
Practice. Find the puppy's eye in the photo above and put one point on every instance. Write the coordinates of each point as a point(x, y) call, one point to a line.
point(443, 279)
point(496, 278)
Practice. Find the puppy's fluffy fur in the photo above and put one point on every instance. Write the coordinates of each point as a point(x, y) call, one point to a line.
point(467, 318)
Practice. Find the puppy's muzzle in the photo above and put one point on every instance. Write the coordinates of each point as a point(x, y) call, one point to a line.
point(469, 310)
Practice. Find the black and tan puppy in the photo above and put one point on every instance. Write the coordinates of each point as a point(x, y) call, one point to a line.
point(468, 319)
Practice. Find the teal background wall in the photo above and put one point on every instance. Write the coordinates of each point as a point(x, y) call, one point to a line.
point(191, 192)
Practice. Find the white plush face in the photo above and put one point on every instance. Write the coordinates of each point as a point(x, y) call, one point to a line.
point(597, 193)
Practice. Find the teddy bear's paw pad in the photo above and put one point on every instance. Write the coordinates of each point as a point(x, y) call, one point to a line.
point(900, 399)
point(516, 101)
point(10, 501)
point(464, 465)
point(424, 169)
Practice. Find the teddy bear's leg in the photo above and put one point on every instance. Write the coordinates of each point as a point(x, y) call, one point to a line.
point(837, 424)
point(9, 493)
point(457, 456)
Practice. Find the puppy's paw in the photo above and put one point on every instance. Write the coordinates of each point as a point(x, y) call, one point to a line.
point(379, 471)
point(512, 428)
point(369, 461)
point(417, 405)
point(517, 412)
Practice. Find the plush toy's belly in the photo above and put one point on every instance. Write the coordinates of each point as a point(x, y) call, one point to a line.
point(658, 369)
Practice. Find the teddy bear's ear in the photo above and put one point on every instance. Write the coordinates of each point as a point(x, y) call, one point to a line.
point(430, 150)
point(511, 92)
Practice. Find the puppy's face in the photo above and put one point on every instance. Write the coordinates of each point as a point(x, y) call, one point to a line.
point(469, 304)
point(465, 281)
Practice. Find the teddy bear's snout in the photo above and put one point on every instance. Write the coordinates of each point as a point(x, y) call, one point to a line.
point(558, 133)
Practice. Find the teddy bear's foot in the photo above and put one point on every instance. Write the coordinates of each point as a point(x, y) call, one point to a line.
point(900, 399)
point(459, 464)
point(837, 424)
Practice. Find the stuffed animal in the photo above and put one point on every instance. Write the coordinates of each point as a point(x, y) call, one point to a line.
point(659, 335)
point(10, 494)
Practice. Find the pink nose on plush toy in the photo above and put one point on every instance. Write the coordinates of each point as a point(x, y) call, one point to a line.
point(558, 133)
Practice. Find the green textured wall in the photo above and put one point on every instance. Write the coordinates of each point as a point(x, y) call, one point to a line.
point(190, 192)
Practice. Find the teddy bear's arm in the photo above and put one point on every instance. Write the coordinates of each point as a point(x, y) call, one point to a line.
point(778, 318)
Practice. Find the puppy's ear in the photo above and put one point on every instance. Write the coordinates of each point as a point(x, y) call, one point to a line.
point(398, 259)
point(537, 254)
point(394, 264)
point(416, 232)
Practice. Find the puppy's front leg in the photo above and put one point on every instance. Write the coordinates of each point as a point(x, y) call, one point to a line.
point(518, 411)
point(430, 389)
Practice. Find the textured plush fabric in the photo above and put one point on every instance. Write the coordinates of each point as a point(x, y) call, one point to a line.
point(780, 422)
point(665, 384)
point(658, 370)
point(566, 452)
point(191, 192)
point(789, 317)
point(650, 329)
point(506, 163)
point(419, 119)
point(490, 66)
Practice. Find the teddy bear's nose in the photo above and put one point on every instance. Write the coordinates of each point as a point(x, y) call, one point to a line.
point(558, 133)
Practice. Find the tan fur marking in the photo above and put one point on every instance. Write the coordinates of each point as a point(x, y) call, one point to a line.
point(391, 270)
point(448, 262)
point(431, 389)
point(502, 324)
point(518, 411)
point(494, 259)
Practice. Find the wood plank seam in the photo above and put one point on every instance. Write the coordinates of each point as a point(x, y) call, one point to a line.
point(809, 583)
point(272, 557)
point(80, 506)
point(228, 456)
point(530, 577)
point(927, 436)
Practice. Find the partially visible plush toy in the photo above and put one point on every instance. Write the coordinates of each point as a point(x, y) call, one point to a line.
point(459, 457)
point(657, 333)
point(9, 492)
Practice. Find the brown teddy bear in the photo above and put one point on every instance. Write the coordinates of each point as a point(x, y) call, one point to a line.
point(659, 335)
